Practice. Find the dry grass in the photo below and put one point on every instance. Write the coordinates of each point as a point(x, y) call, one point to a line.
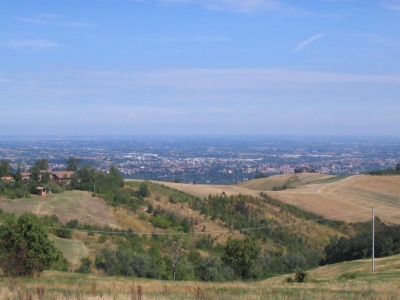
point(72, 250)
point(321, 194)
point(266, 184)
point(203, 190)
point(324, 283)
point(67, 206)
point(351, 194)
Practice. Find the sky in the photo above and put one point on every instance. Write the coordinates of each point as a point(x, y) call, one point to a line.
point(200, 67)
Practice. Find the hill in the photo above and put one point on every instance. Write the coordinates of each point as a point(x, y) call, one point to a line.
point(213, 221)
point(155, 221)
point(324, 195)
point(340, 196)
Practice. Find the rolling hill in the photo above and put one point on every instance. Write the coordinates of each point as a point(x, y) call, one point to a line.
point(324, 195)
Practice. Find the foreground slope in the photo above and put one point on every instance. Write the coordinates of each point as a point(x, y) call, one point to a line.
point(324, 283)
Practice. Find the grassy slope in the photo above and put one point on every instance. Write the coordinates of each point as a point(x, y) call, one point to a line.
point(323, 284)
point(322, 194)
point(355, 193)
point(81, 205)
point(267, 184)
point(67, 206)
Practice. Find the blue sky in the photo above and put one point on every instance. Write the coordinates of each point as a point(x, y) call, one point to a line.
point(267, 67)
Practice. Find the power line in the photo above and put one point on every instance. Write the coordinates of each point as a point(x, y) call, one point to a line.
point(207, 232)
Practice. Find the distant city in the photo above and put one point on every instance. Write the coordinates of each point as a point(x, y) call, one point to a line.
point(216, 160)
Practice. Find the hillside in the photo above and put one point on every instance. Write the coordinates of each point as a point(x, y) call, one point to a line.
point(67, 206)
point(211, 223)
point(324, 195)
point(292, 180)
point(351, 194)
point(154, 220)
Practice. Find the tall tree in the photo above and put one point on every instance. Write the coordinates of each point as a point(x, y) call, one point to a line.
point(73, 164)
point(241, 255)
point(4, 168)
point(42, 164)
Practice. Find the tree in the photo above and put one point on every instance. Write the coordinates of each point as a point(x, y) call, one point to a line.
point(42, 164)
point(86, 174)
point(260, 175)
point(4, 168)
point(115, 178)
point(73, 164)
point(398, 167)
point(144, 189)
point(25, 249)
point(241, 255)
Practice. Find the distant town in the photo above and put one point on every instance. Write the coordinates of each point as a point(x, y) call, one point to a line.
point(217, 160)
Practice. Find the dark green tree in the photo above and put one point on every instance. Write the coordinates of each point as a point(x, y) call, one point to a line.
point(398, 167)
point(4, 168)
point(42, 164)
point(73, 164)
point(241, 255)
point(86, 175)
point(25, 249)
point(45, 177)
point(144, 190)
point(115, 178)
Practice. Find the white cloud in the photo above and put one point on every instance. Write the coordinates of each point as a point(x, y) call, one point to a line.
point(32, 43)
point(303, 44)
point(392, 4)
point(235, 5)
point(49, 20)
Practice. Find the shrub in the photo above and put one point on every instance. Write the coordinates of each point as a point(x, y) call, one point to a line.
point(85, 266)
point(347, 276)
point(300, 276)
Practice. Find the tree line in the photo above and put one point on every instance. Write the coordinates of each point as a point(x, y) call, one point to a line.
point(388, 171)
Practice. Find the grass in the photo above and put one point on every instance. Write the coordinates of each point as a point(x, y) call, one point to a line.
point(67, 206)
point(351, 194)
point(295, 180)
point(324, 283)
point(72, 250)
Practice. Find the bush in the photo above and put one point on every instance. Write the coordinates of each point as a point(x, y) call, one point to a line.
point(85, 266)
point(347, 276)
point(300, 276)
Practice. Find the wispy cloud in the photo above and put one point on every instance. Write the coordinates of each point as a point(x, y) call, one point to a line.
point(235, 5)
point(33, 43)
point(32, 21)
point(391, 4)
point(49, 20)
point(303, 44)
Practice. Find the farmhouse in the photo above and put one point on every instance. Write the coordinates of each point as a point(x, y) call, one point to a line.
point(59, 176)
point(62, 176)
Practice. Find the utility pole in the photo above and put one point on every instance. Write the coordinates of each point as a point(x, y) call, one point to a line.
point(373, 239)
